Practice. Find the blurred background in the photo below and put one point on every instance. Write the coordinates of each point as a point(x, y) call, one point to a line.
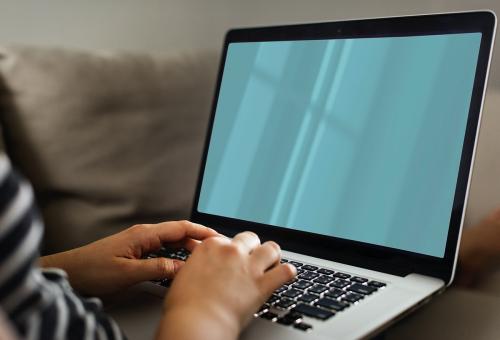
point(163, 25)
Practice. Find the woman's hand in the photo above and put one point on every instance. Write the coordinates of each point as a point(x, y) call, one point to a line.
point(115, 262)
point(479, 250)
point(222, 284)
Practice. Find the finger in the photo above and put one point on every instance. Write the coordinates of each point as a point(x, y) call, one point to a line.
point(266, 255)
point(247, 241)
point(178, 230)
point(191, 244)
point(152, 236)
point(155, 269)
point(277, 277)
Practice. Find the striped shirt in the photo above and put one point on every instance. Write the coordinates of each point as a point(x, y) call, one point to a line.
point(39, 303)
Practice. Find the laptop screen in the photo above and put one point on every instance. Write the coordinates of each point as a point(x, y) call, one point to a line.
point(359, 139)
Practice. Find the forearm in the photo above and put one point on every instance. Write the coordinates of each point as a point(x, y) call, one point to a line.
point(71, 263)
point(54, 260)
point(195, 324)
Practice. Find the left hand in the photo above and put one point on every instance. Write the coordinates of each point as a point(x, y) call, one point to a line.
point(115, 262)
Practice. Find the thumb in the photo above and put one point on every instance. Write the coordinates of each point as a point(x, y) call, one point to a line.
point(157, 268)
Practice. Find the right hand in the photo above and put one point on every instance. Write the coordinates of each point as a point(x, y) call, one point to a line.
point(479, 251)
point(221, 285)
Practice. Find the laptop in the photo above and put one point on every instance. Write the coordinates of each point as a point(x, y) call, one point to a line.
point(351, 144)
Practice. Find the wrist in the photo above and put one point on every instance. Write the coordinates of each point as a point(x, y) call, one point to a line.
point(50, 261)
point(197, 322)
point(61, 260)
point(70, 262)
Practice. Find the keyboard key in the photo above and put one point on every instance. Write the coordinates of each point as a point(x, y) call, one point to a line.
point(273, 299)
point(264, 308)
point(361, 289)
point(296, 264)
point(339, 283)
point(308, 276)
point(302, 284)
point(300, 271)
point(342, 275)
point(313, 311)
point(284, 303)
point(293, 316)
point(283, 260)
point(164, 252)
point(308, 298)
point(325, 271)
point(352, 297)
point(309, 267)
point(334, 293)
point(285, 321)
point(269, 315)
point(289, 319)
point(376, 284)
point(317, 289)
point(280, 289)
point(358, 279)
point(303, 326)
point(166, 283)
point(291, 293)
point(331, 304)
point(323, 279)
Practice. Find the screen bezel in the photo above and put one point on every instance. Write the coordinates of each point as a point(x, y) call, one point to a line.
point(375, 257)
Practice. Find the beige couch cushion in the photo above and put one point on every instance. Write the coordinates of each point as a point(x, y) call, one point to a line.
point(108, 140)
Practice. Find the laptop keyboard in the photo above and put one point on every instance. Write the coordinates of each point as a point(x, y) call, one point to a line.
point(316, 292)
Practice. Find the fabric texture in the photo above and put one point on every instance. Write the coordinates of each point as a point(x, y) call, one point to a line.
point(107, 140)
point(39, 303)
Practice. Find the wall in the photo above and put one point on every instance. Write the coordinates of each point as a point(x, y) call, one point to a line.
point(153, 25)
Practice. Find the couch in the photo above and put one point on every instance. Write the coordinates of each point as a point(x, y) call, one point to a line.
point(109, 140)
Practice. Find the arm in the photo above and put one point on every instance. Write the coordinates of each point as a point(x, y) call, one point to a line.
point(115, 262)
point(38, 304)
point(224, 282)
point(214, 303)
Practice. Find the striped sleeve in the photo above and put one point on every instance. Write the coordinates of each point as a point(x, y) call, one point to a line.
point(39, 303)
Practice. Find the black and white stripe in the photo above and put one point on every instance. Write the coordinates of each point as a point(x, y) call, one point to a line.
point(40, 303)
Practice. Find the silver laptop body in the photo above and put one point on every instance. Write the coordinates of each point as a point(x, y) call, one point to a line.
point(351, 144)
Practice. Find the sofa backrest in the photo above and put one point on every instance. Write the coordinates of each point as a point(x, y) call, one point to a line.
point(108, 140)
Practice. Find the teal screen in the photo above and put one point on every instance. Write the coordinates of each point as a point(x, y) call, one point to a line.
point(360, 139)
